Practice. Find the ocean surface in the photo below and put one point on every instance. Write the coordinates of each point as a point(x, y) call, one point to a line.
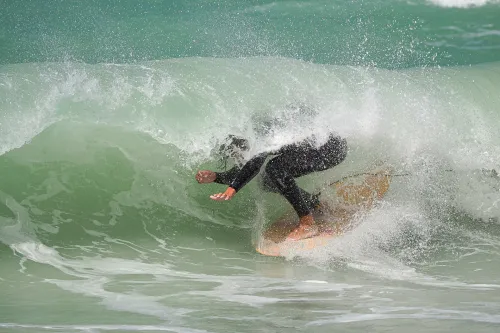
point(109, 107)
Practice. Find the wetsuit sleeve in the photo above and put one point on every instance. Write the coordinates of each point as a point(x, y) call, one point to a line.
point(248, 172)
point(227, 176)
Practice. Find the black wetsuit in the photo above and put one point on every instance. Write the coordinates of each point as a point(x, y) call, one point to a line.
point(292, 161)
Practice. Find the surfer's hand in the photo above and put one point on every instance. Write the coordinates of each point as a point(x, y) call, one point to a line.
point(205, 176)
point(230, 192)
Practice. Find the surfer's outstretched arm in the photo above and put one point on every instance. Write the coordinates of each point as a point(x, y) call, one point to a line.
point(208, 176)
point(243, 176)
point(248, 172)
point(226, 177)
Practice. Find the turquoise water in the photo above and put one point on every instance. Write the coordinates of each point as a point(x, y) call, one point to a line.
point(391, 34)
point(108, 109)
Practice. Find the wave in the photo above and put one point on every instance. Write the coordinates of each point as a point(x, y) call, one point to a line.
point(102, 157)
point(168, 99)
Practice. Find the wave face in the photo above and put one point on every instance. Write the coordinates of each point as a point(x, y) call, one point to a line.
point(107, 110)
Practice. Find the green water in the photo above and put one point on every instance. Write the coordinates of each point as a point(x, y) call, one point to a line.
point(108, 109)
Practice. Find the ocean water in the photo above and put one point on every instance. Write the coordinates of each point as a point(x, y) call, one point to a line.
point(108, 109)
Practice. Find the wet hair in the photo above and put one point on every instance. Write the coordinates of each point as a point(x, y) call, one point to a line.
point(231, 146)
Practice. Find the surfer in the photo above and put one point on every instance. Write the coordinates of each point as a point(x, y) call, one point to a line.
point(288, 162)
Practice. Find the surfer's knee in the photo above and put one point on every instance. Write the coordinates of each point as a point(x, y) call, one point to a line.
point(343, 149)
point(334, 151)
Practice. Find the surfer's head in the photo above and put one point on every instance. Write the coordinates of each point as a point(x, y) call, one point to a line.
point(276, 121)
point(233, 147)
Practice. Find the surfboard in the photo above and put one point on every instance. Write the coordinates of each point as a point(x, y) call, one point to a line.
point(340, 201)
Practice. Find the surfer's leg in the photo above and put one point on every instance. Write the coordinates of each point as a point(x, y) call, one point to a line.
point(332, 153)
point(268, 185)
point(283, 180)
point(282, 170)
point(279, 176)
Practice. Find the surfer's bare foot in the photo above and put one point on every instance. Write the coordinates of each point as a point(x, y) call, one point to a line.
point(306, 229)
